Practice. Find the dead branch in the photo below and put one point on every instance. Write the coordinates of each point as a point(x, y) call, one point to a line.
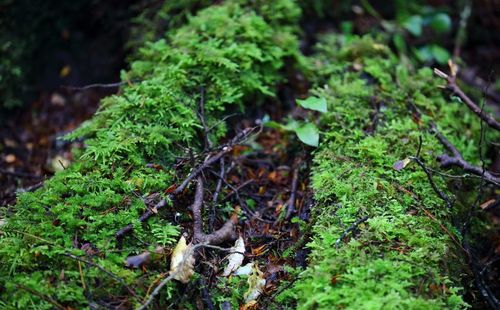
point(100, 85)
point(427, 172)
point(208, 162)
point(293, 191)
point(454, 88)
point(218, 187)
point(42, 296)
point(351, 228)
point(201, 115)
point(225, 233)
point(144, 217)
point(457, 160)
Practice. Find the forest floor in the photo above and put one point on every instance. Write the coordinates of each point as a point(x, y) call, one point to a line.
point(265, 174)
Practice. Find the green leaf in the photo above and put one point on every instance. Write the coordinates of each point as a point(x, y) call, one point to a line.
point(414, 25)
point(441, 22)
point(440, 54)
point(399, 43)
point(423, 53)
point(346, 27)
point(308, 134)
point(273, 124)
point(313, 103)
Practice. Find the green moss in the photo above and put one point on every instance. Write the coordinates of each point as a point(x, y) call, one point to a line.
point(404, 256)
point(235, 51)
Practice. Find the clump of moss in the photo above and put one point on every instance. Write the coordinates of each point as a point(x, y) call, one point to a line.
point(407, 253)
point(235, 52)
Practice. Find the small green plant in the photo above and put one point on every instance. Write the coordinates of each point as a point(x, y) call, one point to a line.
point(165, 234)
point(415, 19)
point(306, 131)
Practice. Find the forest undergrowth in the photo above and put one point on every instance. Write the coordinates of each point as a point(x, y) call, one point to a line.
point(232, 171)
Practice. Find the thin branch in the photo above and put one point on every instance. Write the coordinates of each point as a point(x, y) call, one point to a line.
point(457, 160)
point(351, 228)
point(144, 217)
point(218, 187)
point(293, 191)
point(201, 115)
point(109, 273)
point(196, 210)
point(99, 85)
point(454, 88)
point(441, 195)
point(42, 296)
point(226, 232)
point(224, 149)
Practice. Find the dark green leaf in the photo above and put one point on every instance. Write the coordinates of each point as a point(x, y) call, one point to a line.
point(441, 22)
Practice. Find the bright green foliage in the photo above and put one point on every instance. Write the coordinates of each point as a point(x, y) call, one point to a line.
point(235, 52)
point(401, 257)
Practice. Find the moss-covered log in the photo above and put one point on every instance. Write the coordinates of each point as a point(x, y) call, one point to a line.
point(234, 51)
point(383, 238)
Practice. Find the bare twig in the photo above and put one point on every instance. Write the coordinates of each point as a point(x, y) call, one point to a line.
point(42, 296)
point(226, 232)
point(293, 193)
point(109, 273)
point(144, 217)
point(201, 115)
point(457, 160)
point(224, 149)
point(218, 187)
point(351, 228)
point(99, 85)
point(454, 88)
point(441, 195)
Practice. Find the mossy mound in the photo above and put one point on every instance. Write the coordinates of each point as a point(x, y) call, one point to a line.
point(235, 52)
point(407, 254)
point(403, 253)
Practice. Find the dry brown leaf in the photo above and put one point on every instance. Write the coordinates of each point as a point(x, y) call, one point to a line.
point(486, 204)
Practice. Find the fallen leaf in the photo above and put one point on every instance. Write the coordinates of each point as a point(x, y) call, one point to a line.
point(401, 164)
point(182, 261)
point(486, 204)
point(65, 71)
point(57, 100)
point(58, 163)
point(10, 158)
point(236, 257)
point(256, 284)
point(244, 270)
